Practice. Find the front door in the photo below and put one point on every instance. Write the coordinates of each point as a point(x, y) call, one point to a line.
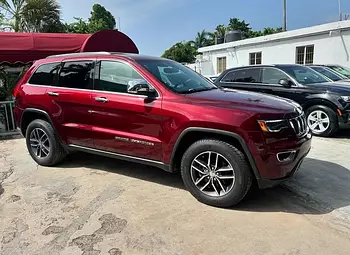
point(128, 124)
point(71, 102)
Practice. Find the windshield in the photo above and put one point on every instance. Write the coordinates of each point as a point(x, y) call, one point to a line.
point(177, 77)
point(342, 70)
point(304, 75)
point(327, 72)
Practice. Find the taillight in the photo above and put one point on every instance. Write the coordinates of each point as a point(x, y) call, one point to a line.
point(15, 92)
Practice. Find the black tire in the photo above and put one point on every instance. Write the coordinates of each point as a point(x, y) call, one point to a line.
point(333, 125)
point(242, 171)
point(56, 153)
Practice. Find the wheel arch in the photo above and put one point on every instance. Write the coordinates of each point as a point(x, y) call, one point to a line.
point(320, 101)
point(193, 134)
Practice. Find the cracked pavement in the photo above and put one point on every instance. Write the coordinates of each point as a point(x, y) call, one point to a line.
point(92, 205)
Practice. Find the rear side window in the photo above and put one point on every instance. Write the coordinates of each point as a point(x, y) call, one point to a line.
point(243, 75)
point(77, 75)
point(45, 74)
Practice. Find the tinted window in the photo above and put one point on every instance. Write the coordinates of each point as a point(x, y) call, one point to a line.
point(342, 70)
point(77, 75)
point(272, 76)
point(177, 77)
point(303, 74)
point(45, 74)
point(243, 75)
point(115, 76)
point(328, 73)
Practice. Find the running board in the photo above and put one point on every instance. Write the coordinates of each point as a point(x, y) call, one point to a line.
point(142, 161)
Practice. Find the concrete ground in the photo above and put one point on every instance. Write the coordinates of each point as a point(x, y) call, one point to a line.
point(92, 205)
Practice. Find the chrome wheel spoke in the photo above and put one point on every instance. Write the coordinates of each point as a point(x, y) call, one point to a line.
point(206, 185)
point(209, 160)
point(213, 184)
point(220, 184)
point(201, 179)
point(226, 177)
point(45, 150)
point(198, 170)
point(224, 169)
point(216, 161)
point(38, 151)
point(200, 163)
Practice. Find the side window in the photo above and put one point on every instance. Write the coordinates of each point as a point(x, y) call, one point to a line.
point(247, 75)
point(115, 76)
point(229, 77)
point(272, 76)
point(45, 74)
point(77, 75)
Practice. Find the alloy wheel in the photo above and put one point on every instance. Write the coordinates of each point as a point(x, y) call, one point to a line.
point(39, 143)
point(212, 174)
point(318, 121)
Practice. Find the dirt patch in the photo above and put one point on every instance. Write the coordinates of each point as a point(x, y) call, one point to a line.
point(17, 228)
point(115, 251)
point(110, 224)
point(13, 199)
point(53, 230)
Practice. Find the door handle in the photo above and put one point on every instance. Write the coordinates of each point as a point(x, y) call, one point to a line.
point(101, 99)
point(53, 94)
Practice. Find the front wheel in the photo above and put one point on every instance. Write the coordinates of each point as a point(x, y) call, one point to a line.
point(322, 120)
point(216, 173)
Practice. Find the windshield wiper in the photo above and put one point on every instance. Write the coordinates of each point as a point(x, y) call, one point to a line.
point(197, 90)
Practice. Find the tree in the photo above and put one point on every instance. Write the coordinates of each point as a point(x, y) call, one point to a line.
point(202, 39)
point(183, 52)
point(237, 24)
point(30, 15)
point(220, 31)
point(100, 19)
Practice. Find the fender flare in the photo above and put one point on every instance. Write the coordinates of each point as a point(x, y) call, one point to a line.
point(221, 132)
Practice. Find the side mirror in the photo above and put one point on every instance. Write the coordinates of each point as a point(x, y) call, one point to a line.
point(285, 83)
point(140, 87)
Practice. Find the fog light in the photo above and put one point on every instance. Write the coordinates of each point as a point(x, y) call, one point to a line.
point(286, 156)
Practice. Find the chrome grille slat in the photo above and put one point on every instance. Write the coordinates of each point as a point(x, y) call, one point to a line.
point(299, 125)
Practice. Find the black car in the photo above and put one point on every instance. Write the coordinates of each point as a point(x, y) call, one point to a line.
point(340, 69)
point(325, 103)
point(329, 73)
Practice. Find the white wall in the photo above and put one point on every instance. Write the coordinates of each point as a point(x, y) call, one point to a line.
point(330, 48)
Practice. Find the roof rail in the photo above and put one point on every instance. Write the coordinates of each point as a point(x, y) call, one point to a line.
point(80, 54)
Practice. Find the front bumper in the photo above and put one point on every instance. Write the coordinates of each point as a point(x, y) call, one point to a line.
point(269, 183)
point(273, 171)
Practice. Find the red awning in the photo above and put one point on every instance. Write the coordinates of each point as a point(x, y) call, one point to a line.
point(27, 47)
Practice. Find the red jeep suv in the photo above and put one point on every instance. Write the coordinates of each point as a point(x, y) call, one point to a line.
point(158, 112)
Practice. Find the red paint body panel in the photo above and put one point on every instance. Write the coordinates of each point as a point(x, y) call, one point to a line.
point(157, 124)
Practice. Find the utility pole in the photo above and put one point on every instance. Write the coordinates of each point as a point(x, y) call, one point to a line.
point(285, 15)
point(340, 16)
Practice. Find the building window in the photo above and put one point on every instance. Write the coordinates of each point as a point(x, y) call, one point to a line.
point(305, 55)
point(255, 58)
point(221, 64)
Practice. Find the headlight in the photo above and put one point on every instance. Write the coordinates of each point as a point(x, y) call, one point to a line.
point(346, 98)
point(273, 126)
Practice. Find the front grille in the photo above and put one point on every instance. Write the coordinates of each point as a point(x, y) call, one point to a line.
point(299, 125)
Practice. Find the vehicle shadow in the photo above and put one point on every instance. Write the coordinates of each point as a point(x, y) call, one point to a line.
point(319, 187)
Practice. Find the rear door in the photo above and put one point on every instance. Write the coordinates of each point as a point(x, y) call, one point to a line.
point(128, 124)
point(71, 103)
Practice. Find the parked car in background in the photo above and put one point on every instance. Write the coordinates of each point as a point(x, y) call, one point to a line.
point(345, 71)
point(326, 104)
point(212, 78)
point(158, 112)
point(329, 73)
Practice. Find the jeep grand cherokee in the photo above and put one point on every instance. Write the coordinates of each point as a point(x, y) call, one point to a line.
point(157, 112)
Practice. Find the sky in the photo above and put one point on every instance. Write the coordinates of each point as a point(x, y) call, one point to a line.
point(155, 25)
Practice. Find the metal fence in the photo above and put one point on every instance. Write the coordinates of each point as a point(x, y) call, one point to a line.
point(7, 120)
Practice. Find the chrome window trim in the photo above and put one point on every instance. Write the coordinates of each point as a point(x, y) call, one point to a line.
point(93, 90)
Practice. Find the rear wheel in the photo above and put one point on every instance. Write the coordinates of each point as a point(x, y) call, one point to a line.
point(216, 173)
point(322, 120)
point(43, 144)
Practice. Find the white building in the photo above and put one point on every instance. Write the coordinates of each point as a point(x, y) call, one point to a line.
point(323, 44)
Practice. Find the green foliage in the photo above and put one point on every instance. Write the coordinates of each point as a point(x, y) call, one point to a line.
point(182, 52)
point(31, 15)
point(7, 85)
point(202, 39)
point(100, 19)
point(237, 24)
